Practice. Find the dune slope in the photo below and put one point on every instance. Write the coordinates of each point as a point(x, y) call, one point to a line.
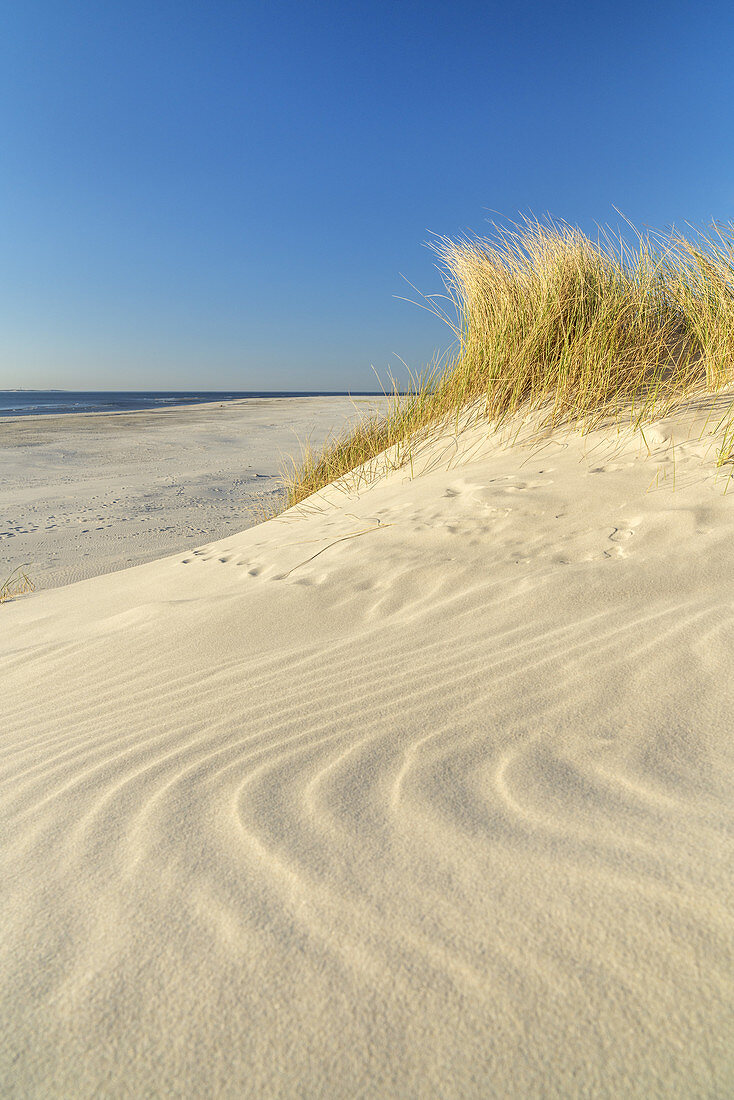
point(446, 810)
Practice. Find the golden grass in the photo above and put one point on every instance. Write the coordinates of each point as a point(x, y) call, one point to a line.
point(725, 454)
point(17, 584)
point(548, 321)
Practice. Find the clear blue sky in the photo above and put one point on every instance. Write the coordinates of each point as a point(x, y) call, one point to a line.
point(224, 194)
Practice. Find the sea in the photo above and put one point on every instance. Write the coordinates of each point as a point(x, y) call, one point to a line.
point(49, 402)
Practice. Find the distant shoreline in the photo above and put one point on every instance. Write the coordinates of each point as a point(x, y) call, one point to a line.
point(94, 492)
point(29, 404)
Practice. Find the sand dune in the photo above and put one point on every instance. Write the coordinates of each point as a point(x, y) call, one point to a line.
point(446, 810)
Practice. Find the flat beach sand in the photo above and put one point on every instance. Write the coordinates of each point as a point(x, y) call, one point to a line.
point(89, 493)
point(425, 790)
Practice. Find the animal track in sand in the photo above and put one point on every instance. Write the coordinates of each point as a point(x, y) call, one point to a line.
point(620, 534)
point(507, 482)
point(196, 555)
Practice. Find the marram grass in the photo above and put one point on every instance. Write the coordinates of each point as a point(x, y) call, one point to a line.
point(17, 584)
point(548, 321)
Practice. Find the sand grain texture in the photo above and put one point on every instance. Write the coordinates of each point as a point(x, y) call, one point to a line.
point(445, 811)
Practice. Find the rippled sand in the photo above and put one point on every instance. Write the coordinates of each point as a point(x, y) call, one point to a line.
point(446, 810)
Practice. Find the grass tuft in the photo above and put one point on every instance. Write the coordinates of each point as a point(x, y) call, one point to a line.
point(548, 321)
point(17, 584)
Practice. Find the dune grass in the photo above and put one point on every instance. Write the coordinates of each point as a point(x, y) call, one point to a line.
point(548, 321)
point(17, 584)
point(725, 454)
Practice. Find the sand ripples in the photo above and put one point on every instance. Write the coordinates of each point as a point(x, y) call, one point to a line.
point(367, 844)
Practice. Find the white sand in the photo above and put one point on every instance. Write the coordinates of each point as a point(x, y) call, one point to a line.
point(446, 811)
point(89, 493)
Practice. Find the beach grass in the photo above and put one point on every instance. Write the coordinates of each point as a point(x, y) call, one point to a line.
point(17, 584)
point(548, 321)
point(725, 453)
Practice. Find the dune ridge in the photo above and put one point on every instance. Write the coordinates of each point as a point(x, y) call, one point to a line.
point(444, 810)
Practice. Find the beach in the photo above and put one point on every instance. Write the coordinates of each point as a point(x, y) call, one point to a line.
point(423, 788)
point(89, 493)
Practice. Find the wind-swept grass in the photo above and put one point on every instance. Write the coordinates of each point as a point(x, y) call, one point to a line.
point(17, 584)
point(725, 453)
point(700, 281)
point(548, 321)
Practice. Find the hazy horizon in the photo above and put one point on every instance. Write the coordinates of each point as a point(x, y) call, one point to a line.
point(170, 389)
point(233, 197)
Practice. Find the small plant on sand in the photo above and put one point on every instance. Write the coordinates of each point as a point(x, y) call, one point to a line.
point(725, 454)
point(17, 584)
point(549, 322)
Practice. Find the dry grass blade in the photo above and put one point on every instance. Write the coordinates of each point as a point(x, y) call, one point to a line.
point(344, 538)
point(725, 454)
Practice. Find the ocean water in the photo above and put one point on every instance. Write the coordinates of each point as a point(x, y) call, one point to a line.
point(48, 402)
